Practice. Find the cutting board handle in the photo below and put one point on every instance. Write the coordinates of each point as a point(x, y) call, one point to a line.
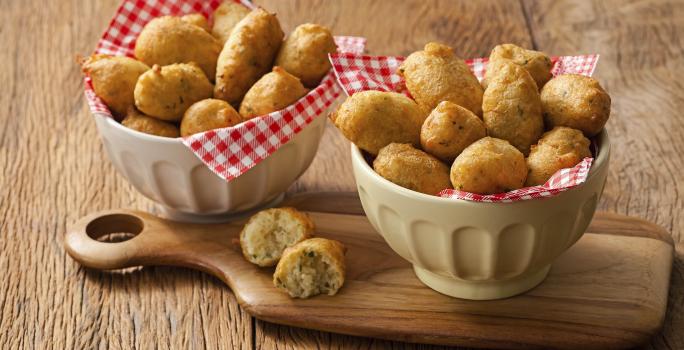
point(155, 241)
point(81, 240)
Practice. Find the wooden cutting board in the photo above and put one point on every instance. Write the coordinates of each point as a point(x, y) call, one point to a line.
point(608, 291)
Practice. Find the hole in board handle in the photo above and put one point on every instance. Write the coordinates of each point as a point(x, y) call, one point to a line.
point(114, 228)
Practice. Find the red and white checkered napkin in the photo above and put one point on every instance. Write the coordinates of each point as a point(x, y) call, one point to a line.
point(228, 152)
point(356, 72)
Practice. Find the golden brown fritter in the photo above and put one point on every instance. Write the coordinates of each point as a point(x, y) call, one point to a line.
point(166, 40)
point(197, 19)
point(273, 92)
point(436, 74)
point(305, 53)
point(537, 63)
point(166, 92)
point(489, 166)
point(558, 149)
point(226, 16)
point(269, 232)
point(575, 101)
point(449, 129)
point(114, 79)
point(512, 107)
point(247, 55)
point(412, 168)
point(310, 267)
point(140, 122)
point(373, 119)
point(207, 115)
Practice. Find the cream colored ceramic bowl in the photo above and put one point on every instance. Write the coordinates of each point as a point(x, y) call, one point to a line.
point(477, 250)
point(166, 171)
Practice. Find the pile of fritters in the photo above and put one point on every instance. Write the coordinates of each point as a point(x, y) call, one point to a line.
point(189, 76)
point(483, 138)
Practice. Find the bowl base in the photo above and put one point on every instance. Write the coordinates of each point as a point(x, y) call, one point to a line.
point(481, 290)
point(182, 216)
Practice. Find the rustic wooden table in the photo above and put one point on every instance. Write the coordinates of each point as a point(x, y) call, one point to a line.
point(54, 170)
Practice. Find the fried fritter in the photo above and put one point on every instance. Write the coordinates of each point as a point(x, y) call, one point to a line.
point(412, 168)
point(512, 108)
point(247, 55)
point(537, 63)
point(449, 129)
point(558, 149)
point(197, 19)
point(489, 166)
point(207, 115)
point(269, 232)
point(114, 79)
point(166, 40)
point(310, 267)
point(304, 53)
point(373, 119)
point(166, 92)
point(436, 74)
point(575, 101)
point(273, 92)
point(226, 16)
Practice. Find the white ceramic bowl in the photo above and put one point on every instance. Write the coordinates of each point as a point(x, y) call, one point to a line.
point(166, 171)
point(475, 250)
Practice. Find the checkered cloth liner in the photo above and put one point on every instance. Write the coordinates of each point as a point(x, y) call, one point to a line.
point(356, 72)
point(228, 152)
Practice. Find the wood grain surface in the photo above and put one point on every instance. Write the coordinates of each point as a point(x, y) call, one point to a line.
point(54, 170)
point(608, 291)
